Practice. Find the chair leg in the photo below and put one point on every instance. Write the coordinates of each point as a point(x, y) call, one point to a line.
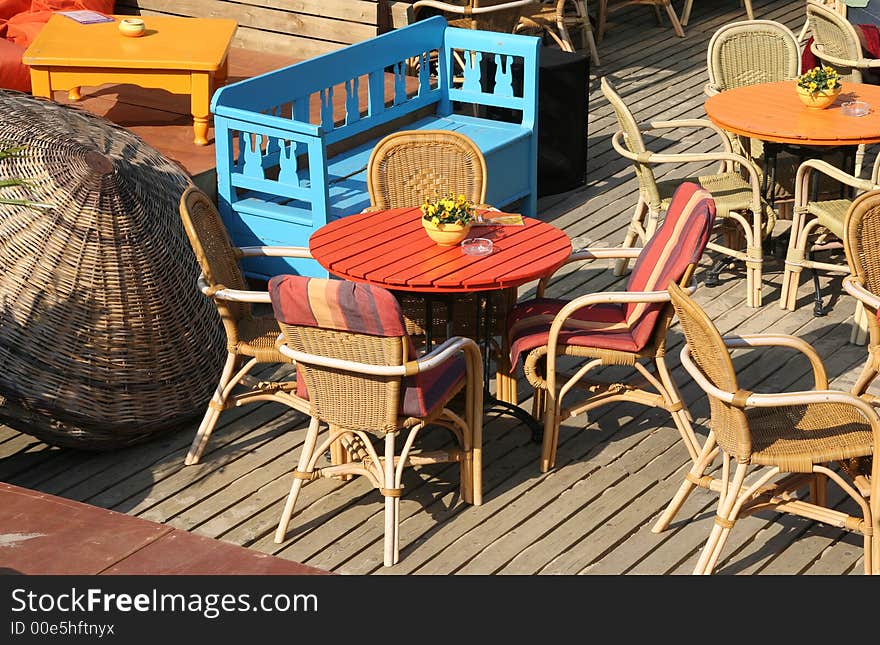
point(866, 377)
point(678, 411)
point(749, 11)
point(692, 479)
point(640, 224)
point(392, 503)
point(551, 431)
point(794, 258)
point(859, 333)
point(686, 12)
point(212, 414)
point(601, 17)
point(305, 459)
point(724, 520)
point(673, 17)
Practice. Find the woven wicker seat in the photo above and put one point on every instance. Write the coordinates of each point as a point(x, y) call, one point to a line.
point(740, 207)
point(626, 328)
point(103, 341)
point(819, 223)
point(248, 336)
point(782, 444)
point(359, 374)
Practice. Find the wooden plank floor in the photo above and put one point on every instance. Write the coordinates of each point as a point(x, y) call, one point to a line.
point(615, 471)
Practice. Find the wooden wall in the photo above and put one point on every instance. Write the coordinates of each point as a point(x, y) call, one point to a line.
point(297, 28)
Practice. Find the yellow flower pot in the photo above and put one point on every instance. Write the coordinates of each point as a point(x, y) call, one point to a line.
point(446, 234)
point(817, 100)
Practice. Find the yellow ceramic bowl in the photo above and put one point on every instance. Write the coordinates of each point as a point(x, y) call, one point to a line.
point(133, 27)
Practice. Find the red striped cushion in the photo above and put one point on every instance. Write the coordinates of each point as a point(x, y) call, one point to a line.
point(363, 309)
point(678, 242)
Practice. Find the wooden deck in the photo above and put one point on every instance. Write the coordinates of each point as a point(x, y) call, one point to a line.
point(615, 471)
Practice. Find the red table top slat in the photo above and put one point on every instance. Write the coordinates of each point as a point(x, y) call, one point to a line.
point(773, 112)
point(391, 249)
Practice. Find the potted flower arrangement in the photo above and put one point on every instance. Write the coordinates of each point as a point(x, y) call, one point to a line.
point(819, 87)
point(447, 220)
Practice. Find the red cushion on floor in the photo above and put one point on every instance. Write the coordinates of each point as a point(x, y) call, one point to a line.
point(14, 74)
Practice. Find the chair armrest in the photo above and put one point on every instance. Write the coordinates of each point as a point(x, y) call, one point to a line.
point(808, 167)
point(424, 363)
point(861, 63)
point(274, 251)
point(682, 157)
point(784, 340)
point(710, 90)
point(853, 286)
point(692, 123)
point(598, 253)
point(772, 400)
point(603, 297)
point(233, 295)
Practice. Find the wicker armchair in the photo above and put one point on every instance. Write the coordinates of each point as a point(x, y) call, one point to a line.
point(836, 43)
point(403, 169)
point(359, 374)
point(626, 328)
point(818, 223)
point(250, 338)
point(788, 441)
point(558, 19)
point(749, 52)
point(861, 239)
point(736, 198)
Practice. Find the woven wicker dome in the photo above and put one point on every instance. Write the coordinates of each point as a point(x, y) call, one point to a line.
point(104, 340)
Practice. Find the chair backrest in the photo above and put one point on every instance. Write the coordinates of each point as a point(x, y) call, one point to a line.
point(214, 252)
point(835, 35)
point(487, 15)
point(710, 355)
point(861, 243)
point(750, 52)
point(354, 322)
point(407, 166)
point(632, 138)
point(672, 253)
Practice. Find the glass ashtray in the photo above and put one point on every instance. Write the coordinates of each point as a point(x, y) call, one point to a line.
point(476, 246)
point(855, 108)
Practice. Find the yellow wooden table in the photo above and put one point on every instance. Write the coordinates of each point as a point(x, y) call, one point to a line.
point(180, 55)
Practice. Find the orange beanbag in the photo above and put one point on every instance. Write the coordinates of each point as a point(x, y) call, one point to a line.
point(20, 22)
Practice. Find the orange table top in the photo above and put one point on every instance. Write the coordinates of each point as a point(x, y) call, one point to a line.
point(773, 112)
point(169, 42)
point(391, 249)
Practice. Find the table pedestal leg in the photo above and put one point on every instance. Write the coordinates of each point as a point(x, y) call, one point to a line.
point(199, 106)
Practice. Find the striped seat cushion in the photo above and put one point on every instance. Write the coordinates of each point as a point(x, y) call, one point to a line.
point(363, 309)
point(677, 243)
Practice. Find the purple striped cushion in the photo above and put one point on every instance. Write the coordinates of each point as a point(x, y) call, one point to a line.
point(363, 309)
point(678, 242)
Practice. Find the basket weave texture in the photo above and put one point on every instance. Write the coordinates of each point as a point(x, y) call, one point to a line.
point(104, 340)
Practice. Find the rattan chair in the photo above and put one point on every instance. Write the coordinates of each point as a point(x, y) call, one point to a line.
point(622, 328)
point(781, 444)
point(604, 7)
point(359, 374)
point(861, 241)
point(749, 52)
point(409, 165)
point(818, 224)
point(404, 168)
point(738, 200)
point(250, 338)
point(835, 5)
point(559, 19)
point(836, 43)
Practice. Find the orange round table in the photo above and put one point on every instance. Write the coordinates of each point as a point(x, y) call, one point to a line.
point(773, 112)
point(391, 249)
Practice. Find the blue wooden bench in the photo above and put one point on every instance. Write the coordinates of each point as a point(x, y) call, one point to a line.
point(285, 168)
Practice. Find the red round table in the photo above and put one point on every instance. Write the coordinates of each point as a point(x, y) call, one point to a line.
point(391, 249)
